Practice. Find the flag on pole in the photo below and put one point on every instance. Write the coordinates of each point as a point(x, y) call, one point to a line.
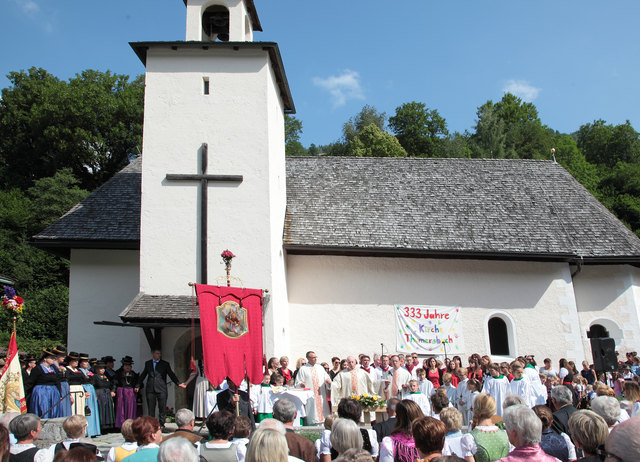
point(231, 326)
point(11, 389)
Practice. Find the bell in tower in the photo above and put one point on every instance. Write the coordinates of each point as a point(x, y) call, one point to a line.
point(215, 23)
point(221, 20)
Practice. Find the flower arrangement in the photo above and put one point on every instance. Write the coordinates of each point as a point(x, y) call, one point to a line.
point(369, 402)
point(11, 301)
point(227, 255)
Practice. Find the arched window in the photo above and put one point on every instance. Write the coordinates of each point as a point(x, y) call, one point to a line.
point(498, 337)
point(597, 331)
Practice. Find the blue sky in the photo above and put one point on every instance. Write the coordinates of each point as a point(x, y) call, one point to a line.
point(576, 60)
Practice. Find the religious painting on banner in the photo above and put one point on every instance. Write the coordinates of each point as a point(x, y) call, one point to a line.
point(429, 329)
point(231, 325)
point(11, 389)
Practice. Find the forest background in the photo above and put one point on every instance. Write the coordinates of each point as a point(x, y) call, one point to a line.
point(60, 140)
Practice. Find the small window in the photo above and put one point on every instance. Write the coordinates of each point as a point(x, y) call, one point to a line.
point(498, 337)
point(206, 85)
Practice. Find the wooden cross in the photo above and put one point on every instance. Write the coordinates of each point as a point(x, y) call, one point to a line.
point(204, 180)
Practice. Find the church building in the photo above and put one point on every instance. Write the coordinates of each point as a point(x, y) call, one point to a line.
point(531, 261)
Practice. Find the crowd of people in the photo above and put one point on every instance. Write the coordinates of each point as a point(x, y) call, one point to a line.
point(63, 384)
point(485, 410)
point(508, 411)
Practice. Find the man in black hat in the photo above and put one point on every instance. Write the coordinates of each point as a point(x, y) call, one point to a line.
point(156, 388)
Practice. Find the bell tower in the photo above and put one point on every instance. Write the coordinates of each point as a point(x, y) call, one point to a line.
point(214, 108)
point(221, 20)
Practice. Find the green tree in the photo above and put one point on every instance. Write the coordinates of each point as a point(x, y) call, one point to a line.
point(356, 124)
point(489, 138)
point(511, 128)
point(42, 277)
point(91, 124)
point(570, 157)
point(620, 192)
point(292, 131)
point(52, 197)
point(456, 145)
point(513, 111)
point(421, 131)
point(607, 144)
point(373, 142)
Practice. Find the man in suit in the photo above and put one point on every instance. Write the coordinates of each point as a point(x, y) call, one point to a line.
point(385, 427)
point(299, 446)
point(156, 388)
point(562, 399)
point(227, 399)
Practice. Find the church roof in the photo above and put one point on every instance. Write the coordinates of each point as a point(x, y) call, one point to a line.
point(464, 208)
point(415, 207)
point(160, 309)
point(108, 218)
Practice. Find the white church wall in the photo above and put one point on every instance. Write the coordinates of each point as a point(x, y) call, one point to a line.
point(276, 317)
point(341, 305)
point(609, 295)
point(235, 125)
point(101, 285)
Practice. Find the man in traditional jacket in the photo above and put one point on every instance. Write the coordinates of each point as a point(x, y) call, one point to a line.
point(314, 377)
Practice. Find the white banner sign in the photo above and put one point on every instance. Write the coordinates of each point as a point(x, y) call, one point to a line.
point(429, 329)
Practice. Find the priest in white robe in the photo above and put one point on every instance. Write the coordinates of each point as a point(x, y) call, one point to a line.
point(382, 377)
point(314, 377)
point(351, 381)
point(399, 384)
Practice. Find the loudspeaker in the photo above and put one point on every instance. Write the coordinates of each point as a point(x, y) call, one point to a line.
point(604, 354)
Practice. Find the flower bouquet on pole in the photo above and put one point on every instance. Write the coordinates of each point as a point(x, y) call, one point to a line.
point(12, 397)
point(13, 303)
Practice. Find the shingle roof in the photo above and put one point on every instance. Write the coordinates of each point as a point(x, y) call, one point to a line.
point(490, 207)
point(469, 208)
point(159, 308)
point(109, 217)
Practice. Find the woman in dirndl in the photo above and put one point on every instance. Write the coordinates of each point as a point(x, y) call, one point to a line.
point(94, 419)
point(63, 409)
point(105, 391)
point(126, 392)
point(75, 377)
point(45, 393)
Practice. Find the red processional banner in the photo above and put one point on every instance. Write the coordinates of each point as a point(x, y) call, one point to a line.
point(231, 325)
